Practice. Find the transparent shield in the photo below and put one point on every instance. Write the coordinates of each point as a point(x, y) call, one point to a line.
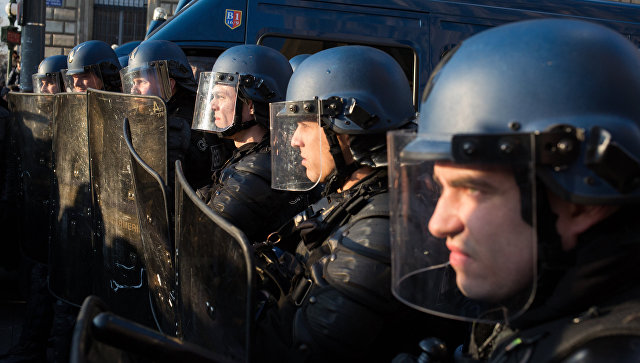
point(31, 124)
point(296, 147)
point(82, 81)
point(463, 234)
point(215, 277)
point(152, 79)
point(46, 83)
point(216, 102)
point(155, 231)
point(119, 245)
point(71, 252)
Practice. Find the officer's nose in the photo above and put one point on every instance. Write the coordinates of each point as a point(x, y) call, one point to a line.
point(445, 221)
point(296, 140)
point(43, 88)
point(78, 85)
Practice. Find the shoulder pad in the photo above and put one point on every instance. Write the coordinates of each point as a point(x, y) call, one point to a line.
point(258, 163)
point(377, 207)
point(621, 348)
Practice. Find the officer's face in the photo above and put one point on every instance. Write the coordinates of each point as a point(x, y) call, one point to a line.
point(144, 86)
point(48, 86)
point(478, 212)
point(223, 102)
point(83, 81)
point(314, 149)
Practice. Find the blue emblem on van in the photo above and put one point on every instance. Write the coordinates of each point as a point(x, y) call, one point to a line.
point(233, 18)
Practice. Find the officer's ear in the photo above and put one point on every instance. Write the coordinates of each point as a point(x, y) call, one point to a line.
point(172, 83)
point(574, 219)
point(344, 141)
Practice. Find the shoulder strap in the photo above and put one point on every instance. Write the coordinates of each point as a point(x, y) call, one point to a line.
point(556, 340)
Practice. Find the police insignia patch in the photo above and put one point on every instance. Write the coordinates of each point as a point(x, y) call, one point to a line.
point(233, 18)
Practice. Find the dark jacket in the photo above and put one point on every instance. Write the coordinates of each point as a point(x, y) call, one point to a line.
point(241, 192)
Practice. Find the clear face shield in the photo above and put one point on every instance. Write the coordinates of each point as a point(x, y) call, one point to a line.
point(46, 83)
point(463, 217)
point(149, 79)
point(81, 80)
point(216, 100)
point(297, 160)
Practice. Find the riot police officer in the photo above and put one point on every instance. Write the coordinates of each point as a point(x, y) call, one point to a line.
point(92, 64)
point(518, 199)
point(331, 130)
point(233, 101)
point(160, 68)
point(49, 76)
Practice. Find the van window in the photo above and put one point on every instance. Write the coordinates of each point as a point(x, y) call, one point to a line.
point(291, 47)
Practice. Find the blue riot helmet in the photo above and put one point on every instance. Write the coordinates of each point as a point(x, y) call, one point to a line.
point(295, 61)
point(154, 66)
point(352, 90)
point(548, 106)
point(92, 64)
point(124, 61)
point(49, 76)
point(126, 48)
point(241, 75)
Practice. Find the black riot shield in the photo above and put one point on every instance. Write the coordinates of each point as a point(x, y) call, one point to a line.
point(71, 251)
point(215, 277)
point(31, 119)
point(117, 232)
point(153, 218)
point(101, 336)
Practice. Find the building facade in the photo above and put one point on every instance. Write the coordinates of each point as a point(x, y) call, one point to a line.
point(70, 22)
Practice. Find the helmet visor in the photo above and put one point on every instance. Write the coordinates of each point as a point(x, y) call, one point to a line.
point(296, 146)
point(463, 225)
point(80, 81)
point(149, 79)
point(216, 102)
point(46, 83)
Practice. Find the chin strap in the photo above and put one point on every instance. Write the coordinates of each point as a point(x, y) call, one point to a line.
point(342, 172)
point(238, 124)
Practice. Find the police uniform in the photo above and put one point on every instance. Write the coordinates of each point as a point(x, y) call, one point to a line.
point(338, 305)
point(241, 192)
point(548, 83)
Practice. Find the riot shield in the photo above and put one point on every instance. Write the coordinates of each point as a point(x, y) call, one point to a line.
point(215, 277)
point(71, 250)
point(31, 118)
point(153, 218)
point(85, 347)
point(117, 232)
point(101, 336)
